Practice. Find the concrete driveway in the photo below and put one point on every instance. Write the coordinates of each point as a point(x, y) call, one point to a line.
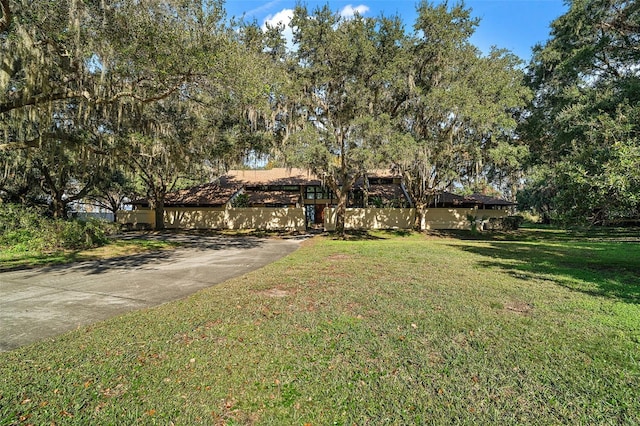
point(40, 303)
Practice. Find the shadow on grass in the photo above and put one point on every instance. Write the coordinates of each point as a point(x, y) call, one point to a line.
point(608, 269)
point(622, 235)
point(188, 242)
point(352, 235)
point(373, 235)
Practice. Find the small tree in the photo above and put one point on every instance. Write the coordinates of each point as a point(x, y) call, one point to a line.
point(113, 191)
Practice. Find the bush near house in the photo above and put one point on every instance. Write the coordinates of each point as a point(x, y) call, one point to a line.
point(508, 223)
point(28, 229)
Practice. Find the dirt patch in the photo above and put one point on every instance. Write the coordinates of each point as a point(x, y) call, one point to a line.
point(519, 307)
point(275, 292)
point(340, 256)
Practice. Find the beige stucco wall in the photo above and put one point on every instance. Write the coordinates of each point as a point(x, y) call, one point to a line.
point(194, 218)
point(371, 218)
point(221, 218)
point(270, 218)
point(294, 218)
point(451, 218)
point(444, 218)
point(436, 218)
point(137, 217)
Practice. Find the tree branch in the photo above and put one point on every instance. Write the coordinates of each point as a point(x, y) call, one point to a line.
point(14, 146)
point(83, 192)
point(20, 102)
point(143, 100)
point(5, 21)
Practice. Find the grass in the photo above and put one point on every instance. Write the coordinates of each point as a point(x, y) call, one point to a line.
point(537, 327)
point(18, 257)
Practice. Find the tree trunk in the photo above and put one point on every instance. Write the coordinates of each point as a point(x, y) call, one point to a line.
point(159, 213)
point(341, 211)
point(58, 207)
point(114, 206)
point(421, 212)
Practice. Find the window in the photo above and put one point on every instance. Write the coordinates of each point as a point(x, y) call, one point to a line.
point(317, 193)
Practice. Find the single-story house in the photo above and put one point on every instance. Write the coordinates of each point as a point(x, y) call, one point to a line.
point(283, 198)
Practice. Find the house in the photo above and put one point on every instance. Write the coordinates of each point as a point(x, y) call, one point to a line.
point(295, 199)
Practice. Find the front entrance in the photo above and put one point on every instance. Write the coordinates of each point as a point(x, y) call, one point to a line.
point(315, 215)
point(319, 214)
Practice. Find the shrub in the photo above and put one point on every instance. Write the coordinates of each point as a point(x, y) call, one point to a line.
point(240, 201)
point(509, 223)
point(78, 235)
point(26, 228)
point(22, 226)
point(474, 221)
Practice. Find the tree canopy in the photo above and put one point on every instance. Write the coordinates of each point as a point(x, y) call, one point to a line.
point(143, 96)
point(456, 107)
point(79, 78)
point(583, 123)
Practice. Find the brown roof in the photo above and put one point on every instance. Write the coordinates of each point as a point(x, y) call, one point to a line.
point(489, 201)
point(387, 192)
point(277, 176)
point(290, 176)
point(273, 197)
point(209, 194)
point(447, 198)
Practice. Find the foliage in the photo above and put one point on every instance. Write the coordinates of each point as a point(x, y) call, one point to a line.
point(21, 226)
point(168, 92)
point(546, 334)
point(341, 68)
point(537, 196)
point(111, 193)
point(367, 95)
point(17, 257)
point(241, 200)
point(458, 109)
point(28, 229)
point(583, 126)
point(161, 87)
point(473, 221)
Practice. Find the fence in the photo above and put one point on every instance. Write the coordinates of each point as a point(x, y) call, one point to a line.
point(436, 218)
point(372, 218)
point(293, 219)
point(137, 218)
point(220, 218)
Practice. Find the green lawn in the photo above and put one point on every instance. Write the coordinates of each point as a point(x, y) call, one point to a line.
point(542, 327)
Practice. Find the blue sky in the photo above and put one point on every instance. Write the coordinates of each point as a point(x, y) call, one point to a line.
point(516, 25)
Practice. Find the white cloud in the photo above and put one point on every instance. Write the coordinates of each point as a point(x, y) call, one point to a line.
point(281, 18)
point(349, 11)
point(284, 17)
